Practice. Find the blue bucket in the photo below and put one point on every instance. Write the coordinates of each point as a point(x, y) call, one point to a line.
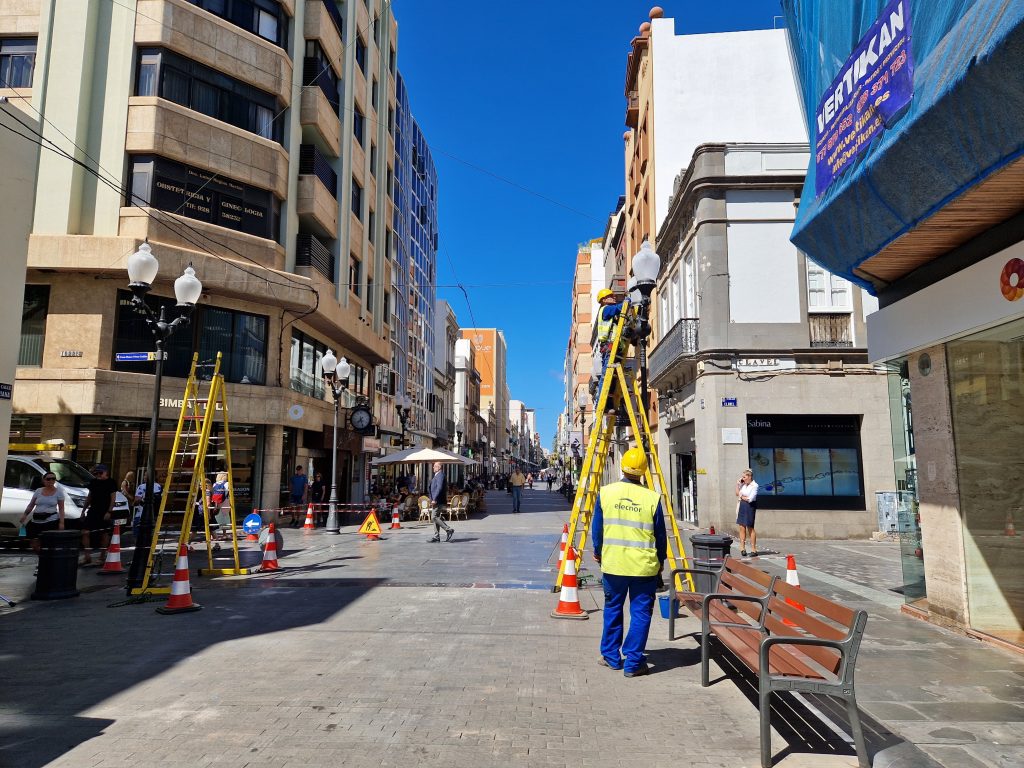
point(663, 603)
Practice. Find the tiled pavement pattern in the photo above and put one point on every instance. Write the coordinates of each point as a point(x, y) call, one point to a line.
point(382, 653)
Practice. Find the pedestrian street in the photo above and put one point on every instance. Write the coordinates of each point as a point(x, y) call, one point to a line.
point(399, 651)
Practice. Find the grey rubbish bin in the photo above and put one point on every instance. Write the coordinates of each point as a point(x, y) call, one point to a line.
point(58, 565)
point(709, 550)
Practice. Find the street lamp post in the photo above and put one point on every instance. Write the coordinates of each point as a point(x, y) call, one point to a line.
point(403, 408)
point(335, 373)
point(142, 271)
point(458, 437)
point(646, 265)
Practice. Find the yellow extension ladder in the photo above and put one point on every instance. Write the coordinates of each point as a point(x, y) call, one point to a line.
point(186, 477)
point(619, 392)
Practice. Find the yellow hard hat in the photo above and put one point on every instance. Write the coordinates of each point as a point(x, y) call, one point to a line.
point(634, 462)
point(603, 294)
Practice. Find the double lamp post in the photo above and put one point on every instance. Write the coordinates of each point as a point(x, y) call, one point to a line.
point(335, 373)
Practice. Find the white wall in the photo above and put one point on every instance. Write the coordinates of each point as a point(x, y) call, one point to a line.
point(722, 87)
point(20, 158)
point(764, 276)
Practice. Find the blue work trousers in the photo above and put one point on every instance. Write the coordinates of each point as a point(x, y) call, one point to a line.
point(640, 590)
point(517, 497)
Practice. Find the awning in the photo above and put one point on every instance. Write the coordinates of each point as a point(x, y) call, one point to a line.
point(421, 455)
point(876, 221)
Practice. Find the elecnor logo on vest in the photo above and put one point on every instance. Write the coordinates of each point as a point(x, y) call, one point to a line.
point(627, 503)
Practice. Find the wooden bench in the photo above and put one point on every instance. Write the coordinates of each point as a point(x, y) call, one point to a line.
point(811, 646)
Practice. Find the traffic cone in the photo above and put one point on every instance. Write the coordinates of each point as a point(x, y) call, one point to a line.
point(180, 600)
point(1011, 529)
point(794, 581)
point(113, 562)
point(270, 552)
point(253, 536)
point(569, 600)
point(396, 518)
point(711, 531)
point(309, 524)
point(565, 538)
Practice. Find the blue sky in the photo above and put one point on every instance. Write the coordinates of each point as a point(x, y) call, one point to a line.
point(534, 96)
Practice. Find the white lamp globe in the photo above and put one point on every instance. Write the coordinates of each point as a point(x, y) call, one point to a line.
point(582, 399)
point(187, 288)
point(328, 363)
point(143, 266)
point(344, 369)
point(646, 265)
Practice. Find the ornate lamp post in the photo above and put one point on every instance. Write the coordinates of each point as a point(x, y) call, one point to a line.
point(403, 407)
point(142, 271)
point(335, 373)
point(458, 437)
point(646, 265)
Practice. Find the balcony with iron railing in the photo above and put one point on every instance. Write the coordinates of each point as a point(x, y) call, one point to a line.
point(312, 160)
point(310, 252)
point(317, 193)
point(830, 329)
point(678, 344)
point(315, 73)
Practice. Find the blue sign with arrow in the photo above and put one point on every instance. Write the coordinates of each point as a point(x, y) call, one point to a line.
point(252, 524)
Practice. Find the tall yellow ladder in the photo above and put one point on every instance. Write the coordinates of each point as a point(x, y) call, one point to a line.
point(619, 391)
point(186, 476)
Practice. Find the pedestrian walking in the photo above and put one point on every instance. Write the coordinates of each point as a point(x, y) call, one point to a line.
point(128, 485)
point(318, 497)
point(438, 500)
point(516, 482)
point(297, 494)
point(139, 503)
point(97, 515)
point(746, 511)
point(630, 545)
point(550, 481)
point(45, 511)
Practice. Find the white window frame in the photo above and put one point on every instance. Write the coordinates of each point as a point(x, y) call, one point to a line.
point(690, 285)
point(830, 286)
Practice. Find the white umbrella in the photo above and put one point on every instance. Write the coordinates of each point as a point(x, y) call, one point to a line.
point(420, 455)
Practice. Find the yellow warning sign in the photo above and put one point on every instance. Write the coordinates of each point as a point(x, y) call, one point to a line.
point(371, 527)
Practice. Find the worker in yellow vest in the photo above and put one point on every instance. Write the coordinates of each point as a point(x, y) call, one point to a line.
point(630, 544)
point(607, 313)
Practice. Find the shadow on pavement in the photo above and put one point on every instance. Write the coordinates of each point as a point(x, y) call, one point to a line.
point(799, 725)
point(66, 657)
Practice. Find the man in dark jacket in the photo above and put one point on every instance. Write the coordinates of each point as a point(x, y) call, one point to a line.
point(438, 499)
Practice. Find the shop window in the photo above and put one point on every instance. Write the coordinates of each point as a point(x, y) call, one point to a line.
point(17, 61)
point(240, 337)
point(806, 462)
point(33, 324)
point(986, 389)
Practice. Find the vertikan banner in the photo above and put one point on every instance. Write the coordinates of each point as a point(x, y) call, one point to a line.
point(875, 83)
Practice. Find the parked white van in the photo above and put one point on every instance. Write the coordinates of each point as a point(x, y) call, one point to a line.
point(24, 474)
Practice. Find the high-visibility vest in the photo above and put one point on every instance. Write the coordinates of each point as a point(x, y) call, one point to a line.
point(628, 547)
point(604, 327)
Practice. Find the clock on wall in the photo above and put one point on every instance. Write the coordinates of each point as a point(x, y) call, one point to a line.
point(360, 418)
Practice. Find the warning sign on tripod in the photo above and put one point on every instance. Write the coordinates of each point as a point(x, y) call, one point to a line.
point(370, 527)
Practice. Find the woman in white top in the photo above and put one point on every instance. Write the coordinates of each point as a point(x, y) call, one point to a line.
point(746, 511)
point(46, 509)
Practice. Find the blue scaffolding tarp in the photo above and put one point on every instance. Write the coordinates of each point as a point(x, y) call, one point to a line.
point(877, 172)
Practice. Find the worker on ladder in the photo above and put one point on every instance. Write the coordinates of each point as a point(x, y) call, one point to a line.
point(630, 544)
point(607, 313)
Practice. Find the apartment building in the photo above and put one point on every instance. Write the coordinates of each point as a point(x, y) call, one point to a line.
point(415, 269)
point(491, 354)
point(761, 360)
point(253, 139)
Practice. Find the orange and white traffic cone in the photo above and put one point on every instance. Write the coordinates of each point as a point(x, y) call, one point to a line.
point(569, 600)
point(396, 518)
point(1010, 529)
point(309, 524)
point(270, 552)
point(180, 600)
point(112, 564)
point(794, 581)
point(565, 539)
point(253, 536)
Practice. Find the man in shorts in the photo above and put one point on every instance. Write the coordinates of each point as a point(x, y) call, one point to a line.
point(97, 516)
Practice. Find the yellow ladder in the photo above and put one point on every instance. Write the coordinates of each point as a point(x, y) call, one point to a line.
point(625, 397)
point(191, 446)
